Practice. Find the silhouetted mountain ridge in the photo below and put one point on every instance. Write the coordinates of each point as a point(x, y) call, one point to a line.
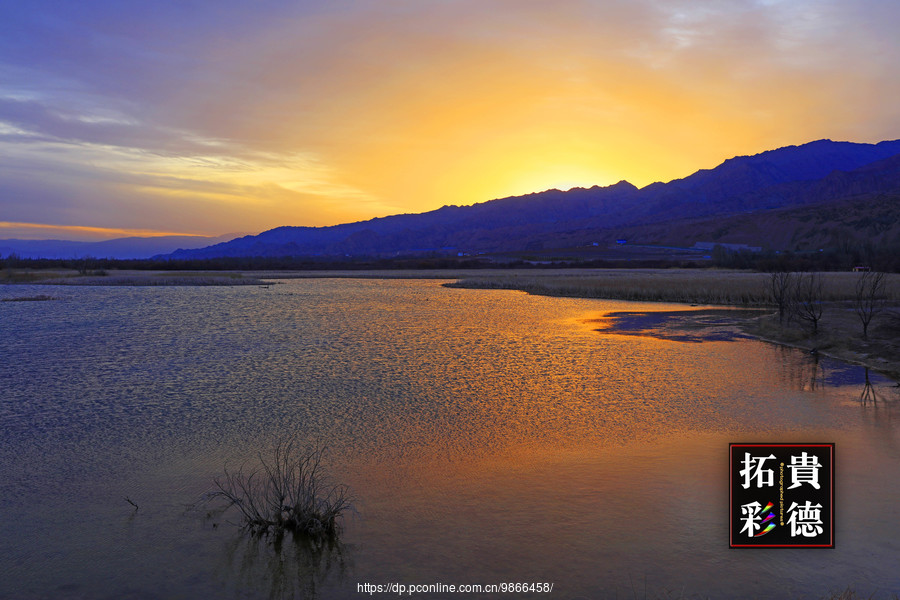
point(794, 176)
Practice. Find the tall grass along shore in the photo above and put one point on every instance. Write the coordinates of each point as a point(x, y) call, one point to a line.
point(691, 286)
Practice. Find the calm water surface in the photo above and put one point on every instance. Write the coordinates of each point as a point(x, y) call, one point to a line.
point(490, 437)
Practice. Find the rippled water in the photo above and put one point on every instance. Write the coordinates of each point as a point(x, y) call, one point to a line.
point(490, 436)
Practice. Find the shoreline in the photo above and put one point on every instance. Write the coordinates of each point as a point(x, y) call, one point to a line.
point(130, 278)
point(728, 324)
point(839, 334)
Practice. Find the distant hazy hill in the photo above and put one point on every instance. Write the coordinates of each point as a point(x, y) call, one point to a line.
point(816, 173)
point(123, 248)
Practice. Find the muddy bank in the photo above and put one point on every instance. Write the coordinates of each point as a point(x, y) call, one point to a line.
point(131, 278)
point(839, 335)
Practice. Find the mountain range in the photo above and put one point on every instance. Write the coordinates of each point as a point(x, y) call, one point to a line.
point(119, 248)
point(819, 194)
point(779, 199)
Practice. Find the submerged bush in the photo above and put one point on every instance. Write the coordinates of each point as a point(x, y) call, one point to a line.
point(290, 491)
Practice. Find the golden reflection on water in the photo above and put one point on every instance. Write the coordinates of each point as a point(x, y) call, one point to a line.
point(490, 436)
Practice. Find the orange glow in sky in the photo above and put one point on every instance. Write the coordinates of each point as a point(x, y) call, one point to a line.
point(320, 113)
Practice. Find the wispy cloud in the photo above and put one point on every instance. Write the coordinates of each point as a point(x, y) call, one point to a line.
point(11, 230)
point(233, 115)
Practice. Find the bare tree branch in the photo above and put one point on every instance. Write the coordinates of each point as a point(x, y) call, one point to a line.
point(870, 298)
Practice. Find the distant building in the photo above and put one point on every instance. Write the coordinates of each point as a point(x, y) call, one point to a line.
point(861, 269)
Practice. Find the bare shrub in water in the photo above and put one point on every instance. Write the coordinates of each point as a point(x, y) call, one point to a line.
point(290, 491)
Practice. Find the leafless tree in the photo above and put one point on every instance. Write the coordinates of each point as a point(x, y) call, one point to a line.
point(870, 298)
point(780, 284)
point(808, 299)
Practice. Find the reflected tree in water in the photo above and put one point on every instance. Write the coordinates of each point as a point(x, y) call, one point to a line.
point(818, 378)
point(868, 394)
point(293, 566)
point(805, 375)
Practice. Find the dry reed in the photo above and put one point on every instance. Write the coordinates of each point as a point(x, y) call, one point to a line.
point(738, 288)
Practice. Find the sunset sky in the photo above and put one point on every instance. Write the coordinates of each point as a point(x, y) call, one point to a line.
point(127, 117)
